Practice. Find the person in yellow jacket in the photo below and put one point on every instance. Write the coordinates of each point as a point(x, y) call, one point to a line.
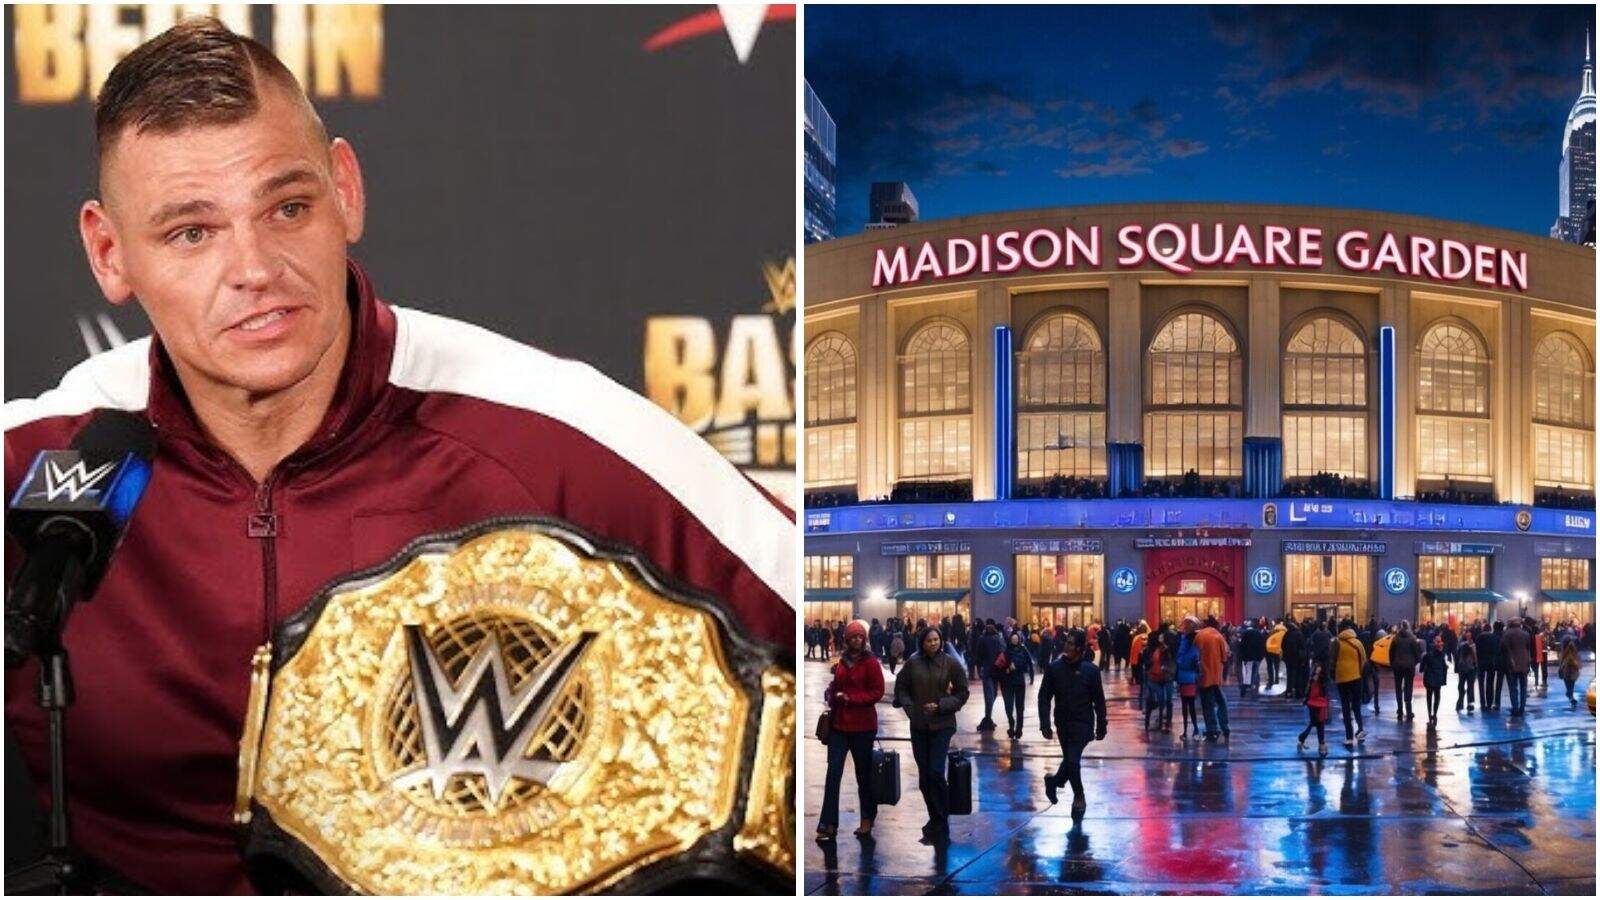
point(1349, 663)
point(1275, 653)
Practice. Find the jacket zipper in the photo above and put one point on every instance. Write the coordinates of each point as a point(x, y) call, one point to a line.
point(263, 525)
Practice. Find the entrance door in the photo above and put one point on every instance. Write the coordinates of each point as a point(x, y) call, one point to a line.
point(1175, 606)
point(1332, 612)
point(1466, 613)
point(1064, 615)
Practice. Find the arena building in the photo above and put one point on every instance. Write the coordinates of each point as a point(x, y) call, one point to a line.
point(1143, 411)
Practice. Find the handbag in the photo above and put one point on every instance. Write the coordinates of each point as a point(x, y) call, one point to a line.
point(825, 727)
point(1001, 663)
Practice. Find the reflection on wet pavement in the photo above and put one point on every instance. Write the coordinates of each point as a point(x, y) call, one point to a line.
point(1480, 804)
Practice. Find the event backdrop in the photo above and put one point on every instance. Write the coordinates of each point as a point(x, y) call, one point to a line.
point(614, 184)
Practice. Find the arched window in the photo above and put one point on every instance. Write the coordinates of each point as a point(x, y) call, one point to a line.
point(936, 404)
point(830, 411)
point(1325, 401)
point(1563, 413)
point(1452, 405)
point(1061, 399)
point(1194, 420)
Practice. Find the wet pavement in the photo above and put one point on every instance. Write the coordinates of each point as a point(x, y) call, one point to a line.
point(1484, 803)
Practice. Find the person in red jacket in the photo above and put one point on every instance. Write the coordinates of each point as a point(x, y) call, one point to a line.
point(305, 430)
point(852, 696)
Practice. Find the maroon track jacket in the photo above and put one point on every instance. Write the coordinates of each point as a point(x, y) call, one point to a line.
point(436, 424)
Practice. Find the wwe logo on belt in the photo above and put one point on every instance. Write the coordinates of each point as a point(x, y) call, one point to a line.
point(74, 481)
point(479, 725)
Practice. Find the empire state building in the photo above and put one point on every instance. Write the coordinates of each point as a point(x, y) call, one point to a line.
point(1577, 164)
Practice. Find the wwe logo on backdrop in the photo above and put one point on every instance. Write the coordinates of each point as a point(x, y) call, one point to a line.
point(107, 330)
point(73, 481)
point(479, 725)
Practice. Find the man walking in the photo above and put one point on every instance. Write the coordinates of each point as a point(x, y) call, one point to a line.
point(1213, 657)
point(1516, 652)
point(1349, 666)
point(1073, 684)
point(986, 650)
point(1252, 650)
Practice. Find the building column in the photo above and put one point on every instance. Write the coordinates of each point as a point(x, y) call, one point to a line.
point(1263, 416)
point(875, 401)
point(1513, 435)
point(1124, 364)
point(1124, 387)
point(993, 308)
point(1394, 310)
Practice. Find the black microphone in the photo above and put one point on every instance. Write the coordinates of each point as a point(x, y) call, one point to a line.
point(69, 514)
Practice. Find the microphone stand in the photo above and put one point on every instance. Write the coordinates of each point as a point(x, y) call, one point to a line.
point(62, 870)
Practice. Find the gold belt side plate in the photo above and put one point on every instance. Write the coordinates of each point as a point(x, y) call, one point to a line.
point(510, 717)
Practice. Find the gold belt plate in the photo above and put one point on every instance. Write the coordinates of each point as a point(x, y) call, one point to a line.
point(517, 712)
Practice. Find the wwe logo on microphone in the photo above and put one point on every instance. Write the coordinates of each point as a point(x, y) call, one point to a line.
point(478, 724)
point(67, 476)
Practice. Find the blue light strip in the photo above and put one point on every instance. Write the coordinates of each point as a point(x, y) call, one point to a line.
point(1386, 436)
point(1004, 454)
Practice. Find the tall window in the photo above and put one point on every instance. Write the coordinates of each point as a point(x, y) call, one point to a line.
point(1451, 572)
point(950, 571)
point(1061, 418)
point(936, 404)
point(1563, 413)
point(830, 571)
point(1194, 420)
point(1558, 574)
point(1325, 401)
point(1452, 405)
point(830, 411)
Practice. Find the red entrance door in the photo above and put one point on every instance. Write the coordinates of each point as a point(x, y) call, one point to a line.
point(1197, 581)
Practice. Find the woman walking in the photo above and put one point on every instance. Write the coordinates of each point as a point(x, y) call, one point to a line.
point(1568, 668)
point(1466, 670)
point(931, 689)
point(1435, 673)
point(1317, 691)
point(852, 697)
point(1189, 683)
point(1014, 678)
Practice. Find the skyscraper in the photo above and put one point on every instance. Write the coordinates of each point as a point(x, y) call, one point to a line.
point(1576, 186)
point(891, 203)
point(821, 170)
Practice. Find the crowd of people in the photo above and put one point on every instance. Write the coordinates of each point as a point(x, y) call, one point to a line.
point(1317, 661)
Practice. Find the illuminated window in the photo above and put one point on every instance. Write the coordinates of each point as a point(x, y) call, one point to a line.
point(1059, 589)
point(1454, 573)
point(829, 612)
point(1565, 575)
point(936, 404)
point(1334, 587)
point(1452, 405)
point(1194, 420)
point(1325, 401)
point(830, 411)
point(949, 571)
point(1061, 419)
point(1563, 413)
point(830, 571)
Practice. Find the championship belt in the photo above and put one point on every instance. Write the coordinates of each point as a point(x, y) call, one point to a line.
point(517, 708)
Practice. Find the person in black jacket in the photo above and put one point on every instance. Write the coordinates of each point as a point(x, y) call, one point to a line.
point(1404, 653)
point(985, 650)
point(1466, 668)
point(1014, 678)
point(1294, 660)
point(1488, 668)
point(1435, 673)
point(1073, 683)
point(1252, 650)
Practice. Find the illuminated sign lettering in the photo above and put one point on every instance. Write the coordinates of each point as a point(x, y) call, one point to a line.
point(1185, 248)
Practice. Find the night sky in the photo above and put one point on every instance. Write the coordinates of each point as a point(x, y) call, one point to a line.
point(1452, 112)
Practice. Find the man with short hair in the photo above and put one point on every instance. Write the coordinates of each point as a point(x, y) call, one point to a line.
point(305, 429)
point(1072, 684)
point(1516, 654)
point(1213, 658)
